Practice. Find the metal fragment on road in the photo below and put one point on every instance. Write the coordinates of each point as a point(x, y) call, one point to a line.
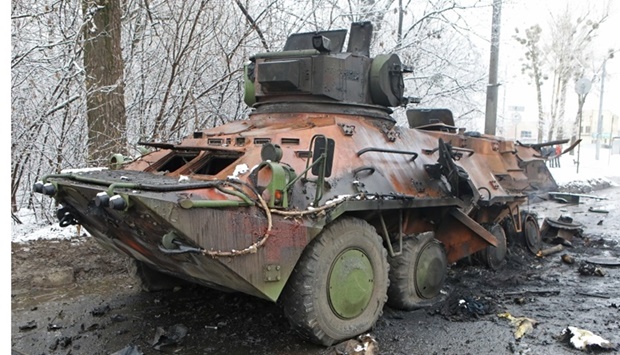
point(28, 326)
point(556, 249)
point(560, 230)
point(169, 337)
point(601, 260)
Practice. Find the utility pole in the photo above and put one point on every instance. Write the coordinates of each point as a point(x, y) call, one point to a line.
point(599, 127)
point(582, 88)
point(492, 87)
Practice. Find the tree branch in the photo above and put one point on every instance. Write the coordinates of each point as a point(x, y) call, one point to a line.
point(254, 24)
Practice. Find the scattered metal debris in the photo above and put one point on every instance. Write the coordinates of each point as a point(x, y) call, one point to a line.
point(541, 293)
point(51, 327)
point(100, 311)
point(28, 326)
point(571, 198)
point(590, 294)
point(170, 337)
point(601, 260)
point(567, 259)
point(522, 324)
point(561, 230)
point(596, 210)
point(555, 249)
point(129, 350)
point(586, 269)
point(585, 340)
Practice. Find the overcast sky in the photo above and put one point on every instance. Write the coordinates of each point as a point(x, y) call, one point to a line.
point(525, 13)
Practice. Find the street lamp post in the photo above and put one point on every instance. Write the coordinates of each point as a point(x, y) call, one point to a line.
point(582, 87)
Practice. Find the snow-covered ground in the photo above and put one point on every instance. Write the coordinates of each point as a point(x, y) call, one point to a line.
point(591, 173)
point(606, 167)
point(33, 229)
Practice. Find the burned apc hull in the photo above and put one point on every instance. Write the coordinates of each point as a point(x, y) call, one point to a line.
point(318, 200)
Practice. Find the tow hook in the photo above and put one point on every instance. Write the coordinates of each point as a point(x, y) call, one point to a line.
point(65, 217)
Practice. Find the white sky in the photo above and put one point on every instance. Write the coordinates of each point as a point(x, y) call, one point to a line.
point(525, 13)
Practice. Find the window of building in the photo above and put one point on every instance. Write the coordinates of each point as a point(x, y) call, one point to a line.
point(526, 134)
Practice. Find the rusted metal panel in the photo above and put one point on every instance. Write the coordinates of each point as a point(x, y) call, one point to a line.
point(387, 172)
point(459, 239)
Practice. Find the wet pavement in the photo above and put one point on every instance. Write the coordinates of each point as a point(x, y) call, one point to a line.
point(106, 314)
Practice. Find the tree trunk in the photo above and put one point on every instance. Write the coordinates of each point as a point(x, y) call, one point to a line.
point(561, 120)
point(103, 65)
point(541, 113)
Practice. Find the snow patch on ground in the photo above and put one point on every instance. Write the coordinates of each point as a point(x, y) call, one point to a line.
point(593, 174)
point(35, 229)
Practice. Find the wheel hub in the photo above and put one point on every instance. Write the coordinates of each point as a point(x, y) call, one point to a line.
point(430, 271)
point(351, 283)
point(531, 233)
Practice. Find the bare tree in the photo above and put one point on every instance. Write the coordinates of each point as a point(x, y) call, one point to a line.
point(105, 93)
point(46, 94)
point(533, 68)
point(570, 45)
point(173, 67)
point(559, 55)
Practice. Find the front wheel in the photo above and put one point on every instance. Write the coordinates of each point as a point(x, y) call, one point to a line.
point(339, 286)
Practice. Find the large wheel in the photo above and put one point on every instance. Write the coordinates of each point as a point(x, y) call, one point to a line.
point(530, 233)
point(151, 280)
point(339, 286)
point(418, 273)
point(493, 257)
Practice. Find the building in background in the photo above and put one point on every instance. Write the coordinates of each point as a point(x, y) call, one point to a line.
point(589, 124)
point(519, 124)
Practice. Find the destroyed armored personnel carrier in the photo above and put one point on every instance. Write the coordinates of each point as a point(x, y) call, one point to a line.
point(318, 200)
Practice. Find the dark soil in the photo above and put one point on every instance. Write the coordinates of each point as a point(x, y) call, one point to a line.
point(74, 297)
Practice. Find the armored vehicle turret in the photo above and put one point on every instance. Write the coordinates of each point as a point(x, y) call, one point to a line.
point(318, 200)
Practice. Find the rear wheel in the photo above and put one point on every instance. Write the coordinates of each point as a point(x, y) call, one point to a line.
point(493, 257)
point(339, 286)
point(530, 234)
point(418, 273)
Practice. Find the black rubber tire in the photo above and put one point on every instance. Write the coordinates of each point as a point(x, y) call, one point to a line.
point(404, 292)
point(530, 235)
point(494, 257)
point(151, 280)
point(512, 237)
point(305, 299)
